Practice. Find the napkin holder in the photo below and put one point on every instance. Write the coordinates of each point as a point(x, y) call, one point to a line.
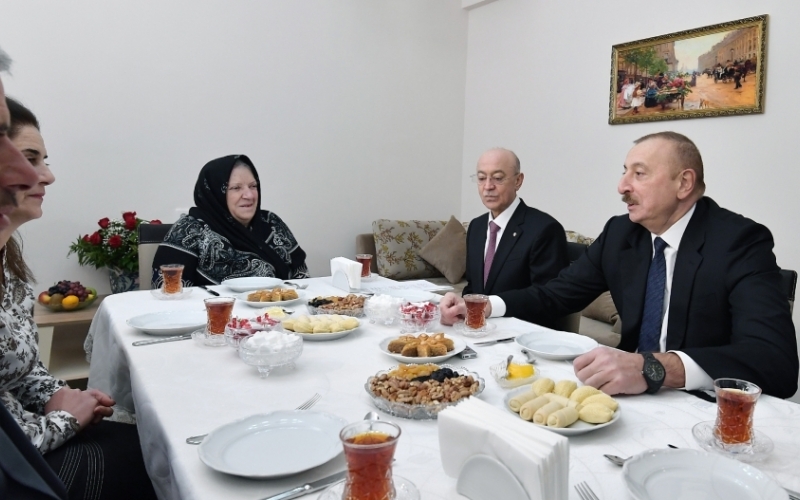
point(485, 478)
point(339, 280)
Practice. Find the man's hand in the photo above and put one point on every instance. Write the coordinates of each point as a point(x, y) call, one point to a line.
point(453, 308)
point(619, 372)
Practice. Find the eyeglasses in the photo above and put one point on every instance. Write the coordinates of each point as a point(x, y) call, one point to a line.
point(497, 180)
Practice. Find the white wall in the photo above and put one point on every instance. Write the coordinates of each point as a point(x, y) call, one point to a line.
point(538, 83)
point(351, 110)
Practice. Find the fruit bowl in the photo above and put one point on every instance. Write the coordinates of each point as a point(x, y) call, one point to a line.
point(81, 305)
point(66, 296)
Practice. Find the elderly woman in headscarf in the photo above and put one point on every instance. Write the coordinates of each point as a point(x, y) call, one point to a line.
point(227, 235)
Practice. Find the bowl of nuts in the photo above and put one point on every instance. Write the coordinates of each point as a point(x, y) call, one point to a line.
point(350, 305)
point(420, 392)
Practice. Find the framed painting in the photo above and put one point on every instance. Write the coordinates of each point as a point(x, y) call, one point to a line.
point(703, 72)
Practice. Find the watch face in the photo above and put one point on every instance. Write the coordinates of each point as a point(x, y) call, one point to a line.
point(654, 371)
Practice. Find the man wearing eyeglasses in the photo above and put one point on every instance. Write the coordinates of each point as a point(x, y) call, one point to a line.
point(513, 245)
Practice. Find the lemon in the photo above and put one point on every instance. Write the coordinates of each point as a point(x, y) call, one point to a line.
point(70, 302)
point(520, 371)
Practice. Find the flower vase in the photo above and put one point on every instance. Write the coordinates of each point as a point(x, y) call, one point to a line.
point(122, 281)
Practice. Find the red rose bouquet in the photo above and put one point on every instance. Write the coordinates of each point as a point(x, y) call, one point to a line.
point(115, 244)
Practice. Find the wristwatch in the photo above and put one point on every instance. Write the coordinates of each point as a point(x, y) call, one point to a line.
point(653, 372)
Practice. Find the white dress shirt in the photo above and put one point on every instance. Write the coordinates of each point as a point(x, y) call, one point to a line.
point(501, 220)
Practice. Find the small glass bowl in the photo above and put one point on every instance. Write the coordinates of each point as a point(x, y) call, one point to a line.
point(417, 317)
point(382, 309)
point(234, 336)
point(498, 372)
point(265, 359)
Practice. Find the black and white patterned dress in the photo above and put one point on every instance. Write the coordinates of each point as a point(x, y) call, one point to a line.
point(25, 384)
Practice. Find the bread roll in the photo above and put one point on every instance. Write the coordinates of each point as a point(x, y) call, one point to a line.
point(562, 400)
point(565, 387)
point(603, 399)
point(595, 414)
point(543, 386)
point(527, 410)
point(584, 392)
point(517, 401)
point(563, 417)
point(540, 417)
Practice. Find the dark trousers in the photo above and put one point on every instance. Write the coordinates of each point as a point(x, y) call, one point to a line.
point(104, 461)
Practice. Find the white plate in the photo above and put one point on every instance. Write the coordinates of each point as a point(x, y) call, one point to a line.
point(273, 445)
point(579, 427)
point(325, 336)
point(411, 295)
point(556, 345)
point(458, 346)
point(694, 474)
point(242, 297)
point(254, 283)
point(169, 322)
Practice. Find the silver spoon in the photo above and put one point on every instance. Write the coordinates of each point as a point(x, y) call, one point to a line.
point(529, 355)
point(621, 461)
point(508, 363)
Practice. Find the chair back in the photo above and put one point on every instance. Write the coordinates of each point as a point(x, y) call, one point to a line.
point(150, 236)
point(789, 285)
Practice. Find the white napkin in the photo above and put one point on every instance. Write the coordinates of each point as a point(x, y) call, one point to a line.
point(537, 457)
point(350, 269)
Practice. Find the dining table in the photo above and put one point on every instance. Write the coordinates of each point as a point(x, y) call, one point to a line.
point(185, 388)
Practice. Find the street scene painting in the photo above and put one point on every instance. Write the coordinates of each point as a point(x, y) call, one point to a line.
point(704, 72)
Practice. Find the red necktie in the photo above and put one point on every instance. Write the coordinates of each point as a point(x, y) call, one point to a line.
point(487, 262)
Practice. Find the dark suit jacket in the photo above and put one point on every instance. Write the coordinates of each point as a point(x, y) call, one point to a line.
point(533, 250)
point(24, 474)
point(727, 311)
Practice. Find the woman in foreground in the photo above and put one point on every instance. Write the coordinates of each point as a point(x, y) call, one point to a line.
point(94, 458)
point(227, 235)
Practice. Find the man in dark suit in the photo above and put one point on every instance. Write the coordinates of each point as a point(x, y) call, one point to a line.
point(513, 245)
point(717, 309)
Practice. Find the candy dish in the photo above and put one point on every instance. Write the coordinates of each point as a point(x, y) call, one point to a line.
point(418, 411)
point(382, 309)
point(267, 357)
point(418, 316)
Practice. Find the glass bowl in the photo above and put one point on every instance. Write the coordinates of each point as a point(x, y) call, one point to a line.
point(81, 305)
point(418, 411)
point(498, 372)
point(382, 309)
point(239, 329)
point(265, 358)
point(417, 316)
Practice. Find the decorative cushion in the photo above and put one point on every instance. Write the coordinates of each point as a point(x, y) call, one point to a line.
point(397, 246)
point(447, 251)
point(602, 309)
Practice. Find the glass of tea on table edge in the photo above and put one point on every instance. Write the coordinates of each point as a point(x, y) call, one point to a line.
point(369, 447)
point(736, 404)
point(219, 311)
point(172, 273)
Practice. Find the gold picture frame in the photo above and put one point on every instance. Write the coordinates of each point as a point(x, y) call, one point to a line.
point(722, 73)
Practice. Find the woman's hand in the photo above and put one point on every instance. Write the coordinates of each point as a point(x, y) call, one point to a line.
point(87, 407)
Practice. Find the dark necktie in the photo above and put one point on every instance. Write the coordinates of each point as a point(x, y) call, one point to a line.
point(650, 335)
point(490, 248)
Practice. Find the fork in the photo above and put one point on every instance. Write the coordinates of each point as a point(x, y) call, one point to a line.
point(305, 406)
point(585, 492)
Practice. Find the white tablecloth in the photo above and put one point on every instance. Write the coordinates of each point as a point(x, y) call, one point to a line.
point(180, 389)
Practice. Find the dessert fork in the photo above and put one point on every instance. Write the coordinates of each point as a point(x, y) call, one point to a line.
point(585, 492)
point(305, 406)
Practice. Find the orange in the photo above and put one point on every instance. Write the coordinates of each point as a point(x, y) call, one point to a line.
point(70, 302)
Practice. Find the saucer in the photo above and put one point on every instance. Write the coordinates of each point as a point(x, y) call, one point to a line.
point(160, 295)
point(462, 328)
point(202, 337)
point(404, 490)
point(761, 448)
